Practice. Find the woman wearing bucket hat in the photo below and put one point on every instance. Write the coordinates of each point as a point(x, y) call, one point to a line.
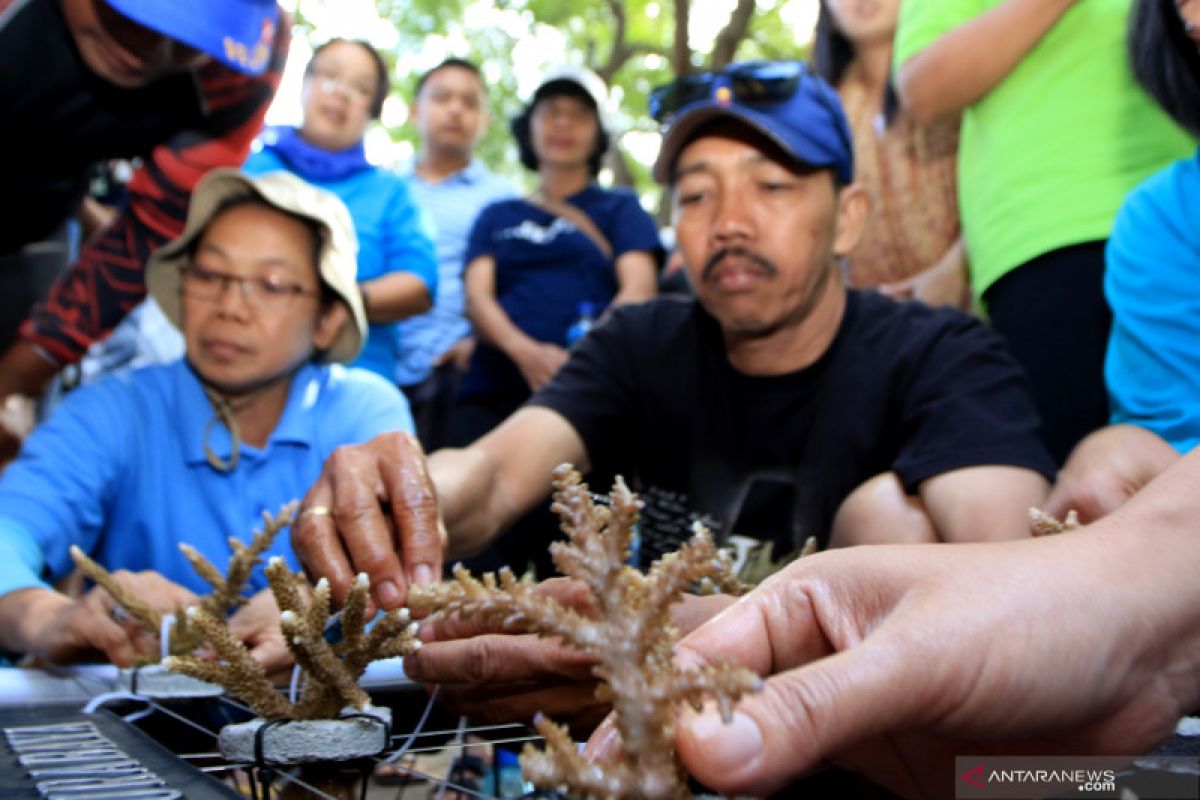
point(345, 85)
point(261, 284)
point(182, 86)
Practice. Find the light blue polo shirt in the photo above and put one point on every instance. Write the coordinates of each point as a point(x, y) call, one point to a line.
point(120, 470)
point(453, 203)
point(1152, 282)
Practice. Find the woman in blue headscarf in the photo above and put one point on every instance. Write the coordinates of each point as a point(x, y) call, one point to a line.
point(345, 85)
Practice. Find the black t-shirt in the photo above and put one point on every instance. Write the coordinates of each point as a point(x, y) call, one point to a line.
point(903, 387)
point(57, 119)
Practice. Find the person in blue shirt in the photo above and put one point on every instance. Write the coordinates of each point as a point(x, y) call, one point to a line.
point(261, 284)
point(449, 111)
point(1152, 366)
point(345, 85)
point(531, 263)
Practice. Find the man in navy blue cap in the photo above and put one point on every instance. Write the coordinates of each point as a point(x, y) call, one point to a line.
point(776, 405)
point(182, 86)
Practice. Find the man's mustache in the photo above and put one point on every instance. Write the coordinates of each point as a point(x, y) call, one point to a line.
point(763, 263)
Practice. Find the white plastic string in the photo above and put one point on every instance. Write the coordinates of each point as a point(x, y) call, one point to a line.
point(109, 697)
point(164, 636)
point(294, 684)
point(460, 739)
point(412, 737)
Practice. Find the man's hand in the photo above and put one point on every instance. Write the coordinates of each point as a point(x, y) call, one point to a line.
point(891, 660)
point(374, 510)
point(56, 629)
point(497, 676)
point(1106, 469)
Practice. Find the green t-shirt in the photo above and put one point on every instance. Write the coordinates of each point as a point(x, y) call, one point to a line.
point(1047, 156)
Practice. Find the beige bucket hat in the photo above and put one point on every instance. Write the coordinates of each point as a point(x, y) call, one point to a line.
point(286, 192)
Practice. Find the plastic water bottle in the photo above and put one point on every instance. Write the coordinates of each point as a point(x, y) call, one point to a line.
point(583, 323)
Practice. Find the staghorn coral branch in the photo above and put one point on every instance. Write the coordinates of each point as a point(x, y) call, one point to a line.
point(203, 567)
point(316, 657)
point(560, 763)
point(631, 640)
point(354, 613)
point(332, 681)
point(727, 683)
point(284, 585)
point(239, 673)
point(393, 634)
point(626, 509)
point(1044, 524)
point(316, 617)
point(510, 604)
point(671, 576)
point(228, 594)
point(145, 616)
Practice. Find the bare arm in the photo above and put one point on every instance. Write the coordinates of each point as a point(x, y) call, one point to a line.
point(636, 280)
point(966, 63)
point(980, 504)
point(485, 487)
point(395, 296)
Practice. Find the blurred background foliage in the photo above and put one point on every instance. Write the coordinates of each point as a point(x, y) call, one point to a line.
point(632, 45)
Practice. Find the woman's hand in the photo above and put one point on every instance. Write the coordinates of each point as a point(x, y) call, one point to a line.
point(60, 630)
point(538, 361)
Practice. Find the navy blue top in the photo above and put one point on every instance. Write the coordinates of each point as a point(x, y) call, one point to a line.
point(545, 267)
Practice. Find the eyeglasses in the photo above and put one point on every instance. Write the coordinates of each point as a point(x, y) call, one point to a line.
point(752, 83)
point(265, 292)
point(334, 84)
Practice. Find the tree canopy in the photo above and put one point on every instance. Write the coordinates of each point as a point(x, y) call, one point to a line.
point(632, 45)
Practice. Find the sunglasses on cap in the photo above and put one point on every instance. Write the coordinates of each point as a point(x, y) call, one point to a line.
point(751, 83)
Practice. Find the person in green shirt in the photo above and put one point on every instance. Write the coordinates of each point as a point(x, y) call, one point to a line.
point(1055, 132)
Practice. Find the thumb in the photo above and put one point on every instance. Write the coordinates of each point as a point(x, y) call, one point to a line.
point(801, 717)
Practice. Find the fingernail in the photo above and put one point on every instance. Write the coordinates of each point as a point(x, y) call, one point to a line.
point(603, 745)
point(730, 748)
point(422, 575)
point(389, 595)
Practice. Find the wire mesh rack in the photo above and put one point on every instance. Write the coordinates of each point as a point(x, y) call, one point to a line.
point(429, 754)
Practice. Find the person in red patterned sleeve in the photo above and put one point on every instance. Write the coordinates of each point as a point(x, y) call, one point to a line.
point(183, 88)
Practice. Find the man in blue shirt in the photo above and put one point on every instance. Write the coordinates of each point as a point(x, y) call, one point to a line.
point(261, 284)
point(450, 111)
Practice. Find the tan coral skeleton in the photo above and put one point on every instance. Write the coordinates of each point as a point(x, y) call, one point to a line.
point(631, 638)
